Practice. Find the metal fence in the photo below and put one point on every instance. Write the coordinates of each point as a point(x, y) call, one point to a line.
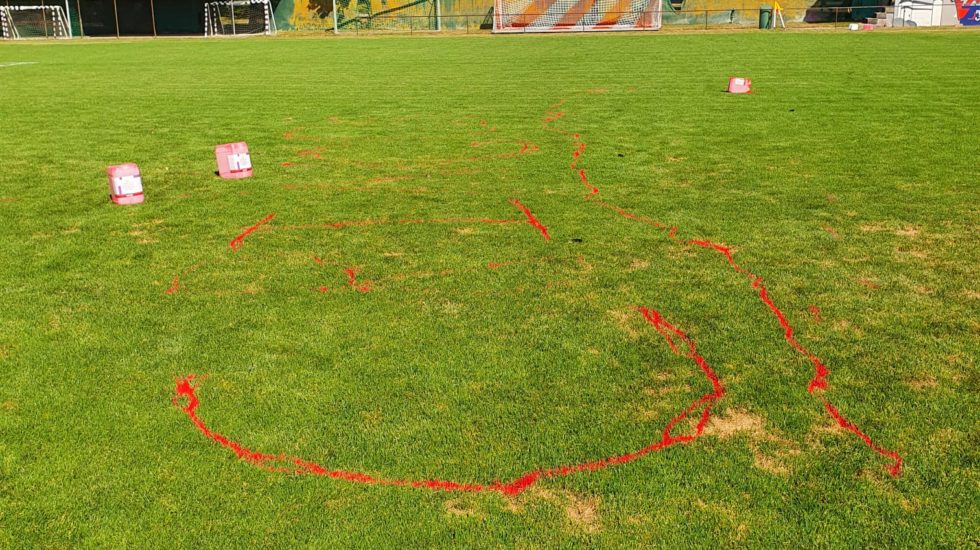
point(902, 14)
point(890, 16)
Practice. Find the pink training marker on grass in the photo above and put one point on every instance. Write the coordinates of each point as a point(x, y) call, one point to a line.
point(234, 161)
point(738, 85)
point(125, 184)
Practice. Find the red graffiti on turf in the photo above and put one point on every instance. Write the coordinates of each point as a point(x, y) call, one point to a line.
point(352, 280)
point(236, 243)
point(815, 311)
point(821, 372)
point(186, 399)
point(175, 282)
point(531, 219)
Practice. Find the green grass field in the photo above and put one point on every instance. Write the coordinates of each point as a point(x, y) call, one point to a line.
point(474, 352)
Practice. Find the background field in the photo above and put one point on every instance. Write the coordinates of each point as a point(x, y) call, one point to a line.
point(848, 180)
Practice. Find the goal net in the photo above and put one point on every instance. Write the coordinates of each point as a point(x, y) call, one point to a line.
point(238, 17)
point(33, 22)
point(576, 15)
point(387, 15)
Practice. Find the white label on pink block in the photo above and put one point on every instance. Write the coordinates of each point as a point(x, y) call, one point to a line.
point(127, 185)
point(239, 161)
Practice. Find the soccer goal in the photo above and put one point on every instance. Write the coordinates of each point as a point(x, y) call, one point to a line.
point(18, 22)
point(576, 15)
point(238, 18)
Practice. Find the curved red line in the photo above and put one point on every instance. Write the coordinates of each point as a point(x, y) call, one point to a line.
point(186, 389)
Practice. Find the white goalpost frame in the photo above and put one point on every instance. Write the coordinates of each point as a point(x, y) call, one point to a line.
point(60, 25)
point(214, 27)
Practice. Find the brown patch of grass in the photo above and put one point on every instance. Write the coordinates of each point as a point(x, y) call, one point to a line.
point(833, 232)
point(920, 254)
point(638, 264)
point(627, 321)
point(465, 231)
point(868, 283)
point(457, 508)
point(971, 294)
point(908, 231)
point(672, 158)
point(872, 227)
point(923, 383)
point(584, 265)
point(582, 512)
point(737, 422)
point(252, 289)
point(831, 198)
point(8, 405)
point(7, 200)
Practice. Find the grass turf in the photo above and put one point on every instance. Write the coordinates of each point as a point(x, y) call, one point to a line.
point(847, 180)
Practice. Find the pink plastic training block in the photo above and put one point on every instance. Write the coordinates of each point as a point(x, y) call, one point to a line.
point(125, 184)
point(737, 85)
point(869, 27)
point(234, 161)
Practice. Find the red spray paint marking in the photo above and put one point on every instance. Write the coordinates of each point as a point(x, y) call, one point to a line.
point(186, 390)
point(821, 372)
point(175, 283)
point(236, 243)
point(352, 280)
point(318, 260)
point(531, 219)
point(526, 148)
point(323, 289)
point(896, 467)
point(815, 311)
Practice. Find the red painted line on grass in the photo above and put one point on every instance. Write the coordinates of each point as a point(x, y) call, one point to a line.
point(896, 467)
point(815, 311)
point(531, 219)
point(186, 390)
point(352, 280)
point(821, 372)
point(236, 243)
point(174, 285)
point(175, 282)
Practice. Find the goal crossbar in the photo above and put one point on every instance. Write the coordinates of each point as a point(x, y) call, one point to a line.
point(20, 22)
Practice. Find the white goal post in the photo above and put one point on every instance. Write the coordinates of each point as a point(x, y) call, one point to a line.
point(576, 15)
point(239, 18)
point(17, 22)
